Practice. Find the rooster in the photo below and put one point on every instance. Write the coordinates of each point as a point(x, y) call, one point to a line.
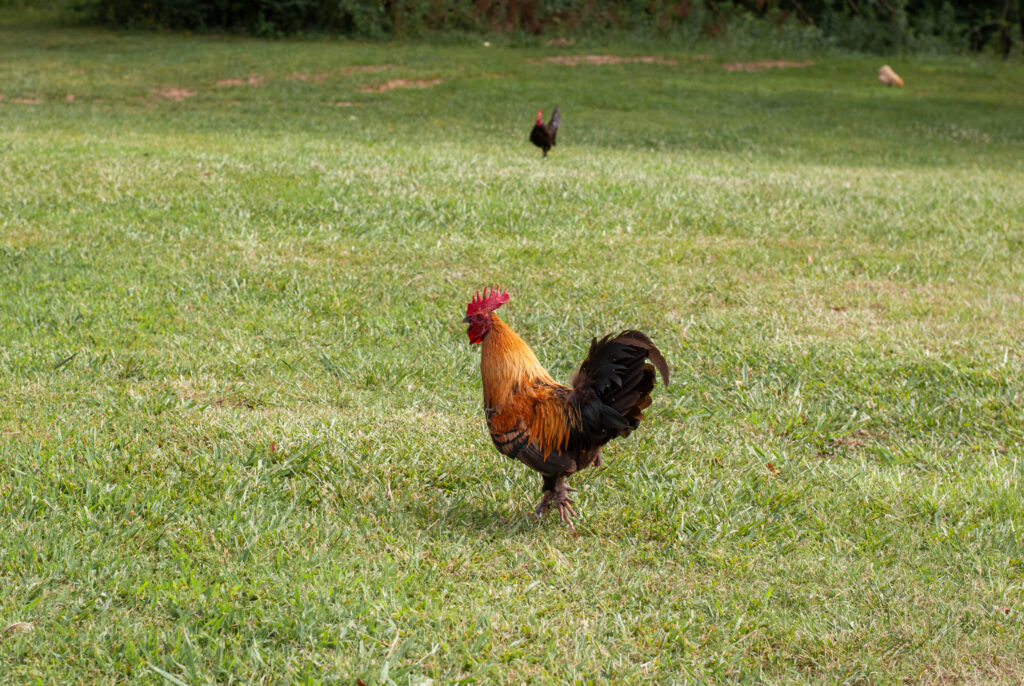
point(554, 429)
point(543, 136)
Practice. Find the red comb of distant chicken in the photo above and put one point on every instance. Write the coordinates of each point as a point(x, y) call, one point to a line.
point(540, 117)
point(492, 299)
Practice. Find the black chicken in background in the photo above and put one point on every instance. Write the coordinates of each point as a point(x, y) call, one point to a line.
point(543, 135)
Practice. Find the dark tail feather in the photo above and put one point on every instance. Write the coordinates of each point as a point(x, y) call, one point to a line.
point(653, 354)
point(616, 371)
point(555, 122)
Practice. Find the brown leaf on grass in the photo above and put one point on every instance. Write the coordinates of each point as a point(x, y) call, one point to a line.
point(28, 101)
point(400, 83)
point(173, 93)
point(345, 103)
point(762, 65)
point(772, 469)
point(17, 627)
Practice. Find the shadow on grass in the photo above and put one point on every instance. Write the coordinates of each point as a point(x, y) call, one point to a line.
point(472, 519)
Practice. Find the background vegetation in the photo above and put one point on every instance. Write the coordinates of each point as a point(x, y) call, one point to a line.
point(241, 434)
point(873, 25)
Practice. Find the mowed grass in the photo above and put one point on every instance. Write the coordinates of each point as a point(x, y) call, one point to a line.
point(241, 435)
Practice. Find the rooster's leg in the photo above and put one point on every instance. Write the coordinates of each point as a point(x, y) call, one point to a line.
point(564, 502)
point(547, 498)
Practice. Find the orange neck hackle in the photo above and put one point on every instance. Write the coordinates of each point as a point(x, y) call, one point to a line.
point(507, 362)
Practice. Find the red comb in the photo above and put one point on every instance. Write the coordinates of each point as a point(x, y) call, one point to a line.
point(492, 299)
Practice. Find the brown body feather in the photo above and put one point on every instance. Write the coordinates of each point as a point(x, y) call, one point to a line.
point(519, 394)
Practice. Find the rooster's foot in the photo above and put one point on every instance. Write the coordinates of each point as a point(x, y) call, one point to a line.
point(559, 500)
point(556, 493)
point(565, 503)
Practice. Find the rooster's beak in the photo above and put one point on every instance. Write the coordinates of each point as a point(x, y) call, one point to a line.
point(465, 320)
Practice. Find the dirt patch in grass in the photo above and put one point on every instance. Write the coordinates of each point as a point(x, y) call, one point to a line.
point(25, 101)
point(250, 80)
point(762, 65)
point(400, 83)
point(315, 78)
point(576, 60)
point(173, 93)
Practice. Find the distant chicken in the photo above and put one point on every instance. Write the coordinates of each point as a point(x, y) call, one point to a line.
point(554, 429)
point(543, 135)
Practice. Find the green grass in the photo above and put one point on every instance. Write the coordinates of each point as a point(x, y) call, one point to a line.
point(241, 435)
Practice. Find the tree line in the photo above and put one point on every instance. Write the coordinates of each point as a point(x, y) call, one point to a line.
point(873, 25)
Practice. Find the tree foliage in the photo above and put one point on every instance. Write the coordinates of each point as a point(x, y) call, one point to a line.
point(858, 24)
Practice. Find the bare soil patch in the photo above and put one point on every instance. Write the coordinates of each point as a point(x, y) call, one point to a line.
point(400, 83)
point(315, 78)
point(250, 80)
point(762, 65)
point(173, 93)
point(576, 60)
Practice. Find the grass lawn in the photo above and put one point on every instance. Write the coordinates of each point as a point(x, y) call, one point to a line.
point(241, 428)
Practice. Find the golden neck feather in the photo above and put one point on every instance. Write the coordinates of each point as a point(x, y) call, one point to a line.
point(507, 362)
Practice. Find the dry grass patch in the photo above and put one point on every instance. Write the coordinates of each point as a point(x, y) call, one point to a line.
point(400, 83)
point(250, 80)
point(762, 65)
point(599, 60)
point(173, 93)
